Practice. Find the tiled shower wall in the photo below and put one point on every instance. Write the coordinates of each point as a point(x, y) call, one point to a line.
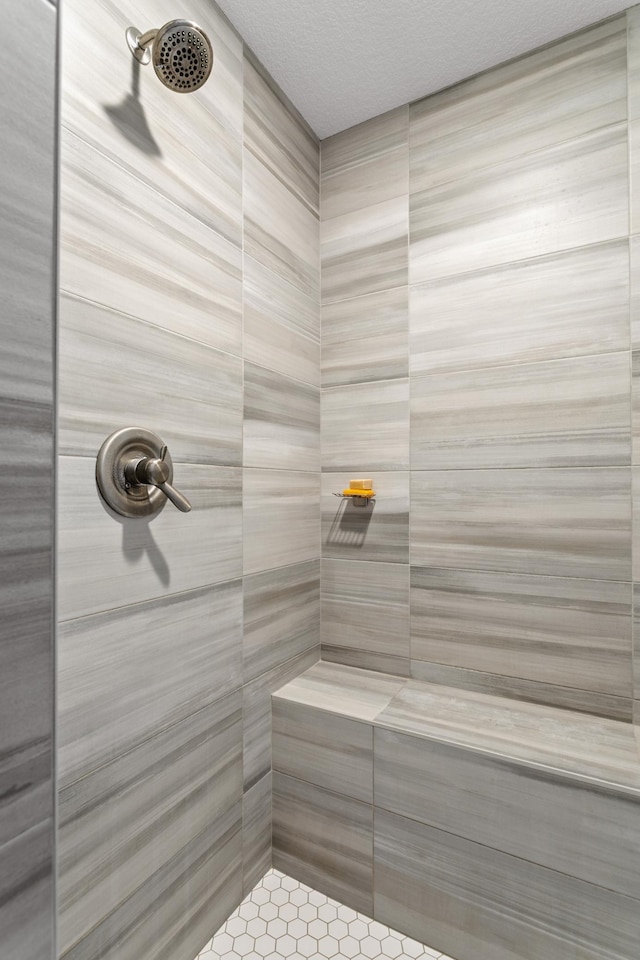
point(27, 318)
point(190, 305)
point(476, 361)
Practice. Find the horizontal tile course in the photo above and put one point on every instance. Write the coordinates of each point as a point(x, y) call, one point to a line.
point(559, 522)
point(278, 136)
point(184, 277)
point(256, 832)
point(365, 427)
point(281, 421)
point(377, 532)
point(557, 93)
point(567, 304)
point(142, 559)
point(561, 413)
point(186, 392)
point(324, 839)
point(322, 748)
point(365, 606)
point(280, 516)
point(528, 813)
point(366, 164)
point(477, 902)
point(365, 339)
point(281, 616)
point(281, 324)
point(573, 633)
point(133, 649)
point(279, 230)
point(571, 194)
point(156, 800)
point(191, 153)
point(256, 705)
point(365, 251)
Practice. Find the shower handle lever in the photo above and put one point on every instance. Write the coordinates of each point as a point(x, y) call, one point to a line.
point(155, 472)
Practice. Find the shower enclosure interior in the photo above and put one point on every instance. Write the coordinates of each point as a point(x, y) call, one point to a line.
point(168, 249)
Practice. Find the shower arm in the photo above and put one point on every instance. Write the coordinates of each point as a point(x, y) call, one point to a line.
point(139, 43)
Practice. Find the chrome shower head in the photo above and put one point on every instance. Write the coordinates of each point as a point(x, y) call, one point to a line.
point(181, 52)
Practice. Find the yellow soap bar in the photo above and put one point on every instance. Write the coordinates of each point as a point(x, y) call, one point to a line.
point(350, 492)
point(361, 484)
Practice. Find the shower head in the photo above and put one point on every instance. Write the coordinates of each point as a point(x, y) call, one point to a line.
point(181, 52)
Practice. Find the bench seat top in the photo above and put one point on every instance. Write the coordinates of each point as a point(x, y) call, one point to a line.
point(574, 745)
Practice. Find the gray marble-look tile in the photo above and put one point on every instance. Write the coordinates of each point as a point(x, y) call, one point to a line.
point(346, 691)
point(634, 175)
point(27, 371)
point(531, 691)
point(365, 338)
point(322, 748)
point(125, 821)
point(634, 250)
point(365, 660)
point(633, 62)
point(365, 606)
point(542, 817)
point(557, 93)
point(281, 522)
point(131, 249)
point(379, 531)
point(636, 644)
point(479, 903)
point(560, 413)
point(278, 136)
point(367, 164)
point(142, 559)
point(281, 324)
point(26, 601)
point(188, 149)
point(281, 616)
point(27, 208)
point(280, 231)
point(324, 840)
point(27, 900)
point(573, 633)
point(257, 714)
point(568, 195)
point(365, 428)
point(111, 364)
point(567, 304)
point(635, 474)
point(174, 912)
point(582, 748)
point(365, 251)
point(281, 421)
point(560, 522)
point(256, 833)
point(124, 676)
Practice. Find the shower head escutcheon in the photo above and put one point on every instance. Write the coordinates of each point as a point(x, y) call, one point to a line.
point(181, 53)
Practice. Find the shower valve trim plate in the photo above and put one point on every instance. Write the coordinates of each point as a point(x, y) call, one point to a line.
point(134, 473)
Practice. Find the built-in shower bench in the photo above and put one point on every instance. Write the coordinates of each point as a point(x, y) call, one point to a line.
point(491, 828)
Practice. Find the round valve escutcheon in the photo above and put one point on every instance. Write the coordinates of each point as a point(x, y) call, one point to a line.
point(134, 474)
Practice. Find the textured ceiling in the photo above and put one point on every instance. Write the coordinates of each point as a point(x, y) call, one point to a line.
point(344, 61)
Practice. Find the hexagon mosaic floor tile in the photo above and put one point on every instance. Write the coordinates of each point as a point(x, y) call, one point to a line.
point(282, 919)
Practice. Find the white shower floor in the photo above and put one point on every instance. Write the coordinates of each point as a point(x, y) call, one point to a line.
point(282, 919)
